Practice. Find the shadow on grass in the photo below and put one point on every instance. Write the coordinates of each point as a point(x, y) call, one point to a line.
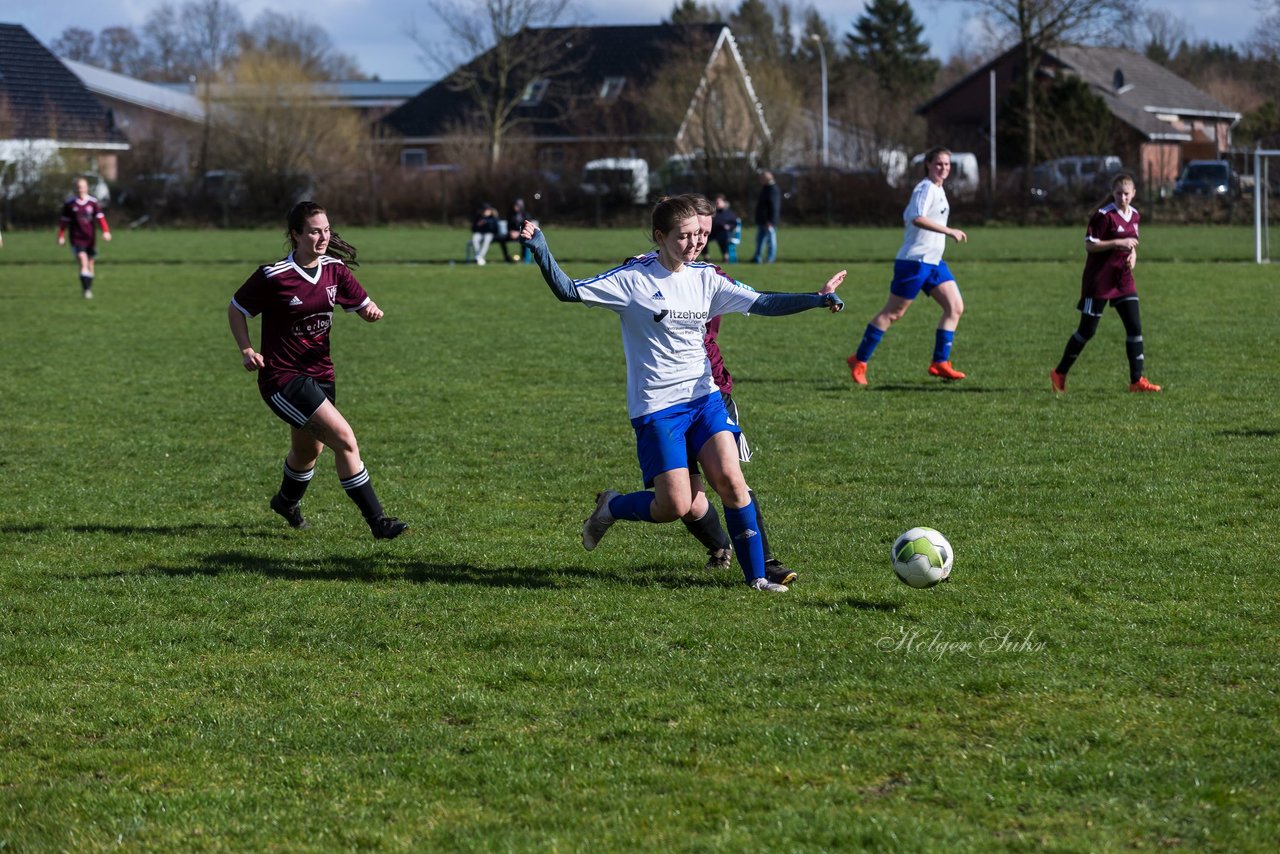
point(959, 388)
point(857, 605)
point(382, 569)
point(1257, 433)
point(147, 530)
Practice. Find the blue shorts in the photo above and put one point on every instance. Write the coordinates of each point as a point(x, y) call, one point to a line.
point(671, 438)
point(910, 277)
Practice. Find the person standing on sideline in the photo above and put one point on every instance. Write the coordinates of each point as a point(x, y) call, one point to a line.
point(663, 302)
point(81, 217)
point(1111, 247)
point(768, 214)
point(919, 266)
point(724, 225)
point(296, 298)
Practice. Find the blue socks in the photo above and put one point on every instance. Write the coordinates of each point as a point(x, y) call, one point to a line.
point(633, 507)
point(870, 338)
point(942, 340)
point(747, 545)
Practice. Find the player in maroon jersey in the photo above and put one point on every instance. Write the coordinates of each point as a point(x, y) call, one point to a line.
point(1111, 242)
point(82, 216)
point(296, 298)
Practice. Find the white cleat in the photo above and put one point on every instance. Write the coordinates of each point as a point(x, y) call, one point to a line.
point(597, 524)
point(764, 585)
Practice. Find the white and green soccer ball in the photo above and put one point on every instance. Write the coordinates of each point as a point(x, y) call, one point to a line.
point(922, 557)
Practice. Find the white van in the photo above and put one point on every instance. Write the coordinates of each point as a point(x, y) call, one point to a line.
point(963, 183)
point(624, 175)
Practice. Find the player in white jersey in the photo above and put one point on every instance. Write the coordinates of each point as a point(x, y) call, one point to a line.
point(919, 266)
point(664, 301)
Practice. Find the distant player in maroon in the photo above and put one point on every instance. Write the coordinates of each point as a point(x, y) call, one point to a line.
point(296, 298)
point(1111, 244)
point(82, 216)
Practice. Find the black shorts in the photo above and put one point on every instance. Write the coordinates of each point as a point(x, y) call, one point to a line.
point(300, 398)
point(1094, 307)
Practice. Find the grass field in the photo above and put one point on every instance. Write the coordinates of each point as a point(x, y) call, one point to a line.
point(179, 671)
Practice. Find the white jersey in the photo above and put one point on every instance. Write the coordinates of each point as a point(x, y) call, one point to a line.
point(664, 317)
point(928, 200)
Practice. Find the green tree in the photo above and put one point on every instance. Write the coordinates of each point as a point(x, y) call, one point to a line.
point(693, 12)
point(887, 41)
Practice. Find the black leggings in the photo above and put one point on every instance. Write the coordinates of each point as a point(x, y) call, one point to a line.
point(1130, 316)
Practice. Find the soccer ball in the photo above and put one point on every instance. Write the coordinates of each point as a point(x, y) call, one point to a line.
point(922, 557)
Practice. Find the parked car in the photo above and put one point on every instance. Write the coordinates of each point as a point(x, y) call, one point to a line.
point(626, 177)
point(1073, 176)
point(1214, 178)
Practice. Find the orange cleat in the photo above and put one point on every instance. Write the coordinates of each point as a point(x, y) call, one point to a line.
point(1143, 384)
point(857, 369)
point(1059, 381)
point(944, 370)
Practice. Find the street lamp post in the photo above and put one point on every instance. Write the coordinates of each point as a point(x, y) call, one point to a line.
point(822, 59)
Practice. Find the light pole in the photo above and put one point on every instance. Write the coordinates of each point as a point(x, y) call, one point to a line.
point(822, 59)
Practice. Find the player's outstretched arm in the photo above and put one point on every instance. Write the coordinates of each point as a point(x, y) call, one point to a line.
point(559, 282)
point(370, 312)
point(776, 305)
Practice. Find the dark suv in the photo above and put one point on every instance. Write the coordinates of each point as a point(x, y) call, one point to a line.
point(1213, 178)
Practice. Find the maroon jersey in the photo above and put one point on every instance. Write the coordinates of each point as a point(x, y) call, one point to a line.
point(297, 310)
point(79, 218)
point(1107, 275)
point(719, 373)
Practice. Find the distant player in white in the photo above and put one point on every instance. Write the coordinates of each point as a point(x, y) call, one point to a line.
point(919, 266)
point(664, 301)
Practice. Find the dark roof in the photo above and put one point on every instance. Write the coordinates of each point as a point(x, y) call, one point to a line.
point(43, 99)
point(594, 54)
point(1134, 88)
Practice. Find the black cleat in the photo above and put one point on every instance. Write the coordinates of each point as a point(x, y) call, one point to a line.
point(292, 513)
point(719, 558)
point(777, 573)
point(387, 527)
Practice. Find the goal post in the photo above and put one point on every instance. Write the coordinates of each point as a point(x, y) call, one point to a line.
point(1262, 203)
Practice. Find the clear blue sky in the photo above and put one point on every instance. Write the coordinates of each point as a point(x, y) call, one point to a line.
point(374, 32)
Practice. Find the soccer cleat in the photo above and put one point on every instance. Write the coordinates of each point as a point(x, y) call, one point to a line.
point(387, 527)
point(764, 585)
point(1143, 384)
point(1058, 381)
point(944, 370)
point(777, 573)
point(88, 293)
point(719, 558)
point(593, 530)
point(857, 369)
point(292, 513)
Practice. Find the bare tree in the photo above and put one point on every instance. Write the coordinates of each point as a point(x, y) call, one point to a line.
point(76, 44)
point(120, 50)
point(282, 146)
point(307, 45)
point(499, 48)
point(209, 31)
point(171, 59)
point(1036, 26)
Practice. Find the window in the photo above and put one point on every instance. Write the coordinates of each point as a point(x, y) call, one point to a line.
point(534, 92)
point(612, 88)
point(413, 158)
